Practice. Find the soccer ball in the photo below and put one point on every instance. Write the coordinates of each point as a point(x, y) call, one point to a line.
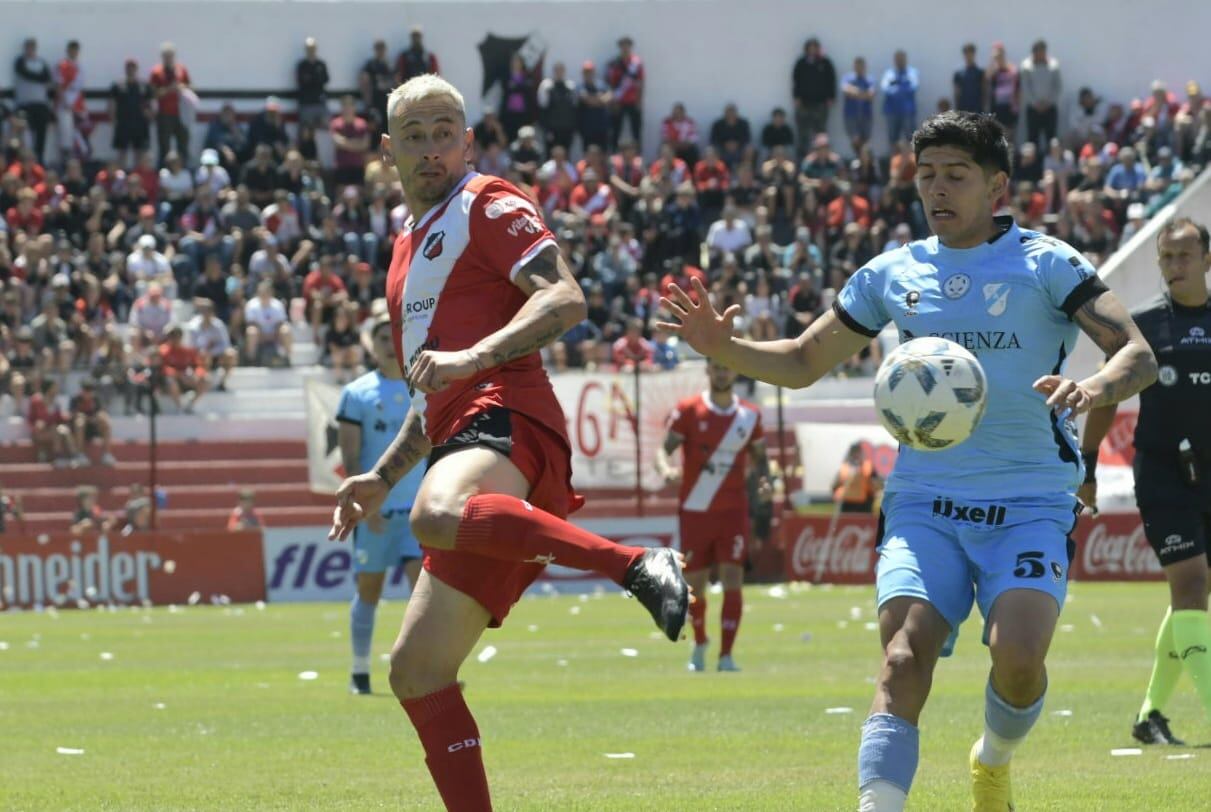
point(930, 393)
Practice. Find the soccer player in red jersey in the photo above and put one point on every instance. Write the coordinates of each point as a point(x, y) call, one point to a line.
point(476, 288)
point(715, 431)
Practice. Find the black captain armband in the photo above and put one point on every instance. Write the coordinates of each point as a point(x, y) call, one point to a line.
point(1090, 458)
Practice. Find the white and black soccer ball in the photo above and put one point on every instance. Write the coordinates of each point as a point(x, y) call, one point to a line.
point(930, 393)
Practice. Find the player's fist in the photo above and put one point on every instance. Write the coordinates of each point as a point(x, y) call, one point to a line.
point(698, 323)
point(357, 497)
point(433, 371)
point(1065, 396)
point(1087, 494)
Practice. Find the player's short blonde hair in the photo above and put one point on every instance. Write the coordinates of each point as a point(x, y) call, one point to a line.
point(422, 87)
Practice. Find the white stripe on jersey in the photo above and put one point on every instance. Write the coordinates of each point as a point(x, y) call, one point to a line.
point(716, 469)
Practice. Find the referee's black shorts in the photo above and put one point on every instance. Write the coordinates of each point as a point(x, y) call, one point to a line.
point(1176, 516)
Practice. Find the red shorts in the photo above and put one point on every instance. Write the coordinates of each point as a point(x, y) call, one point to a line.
point(713, 537)
point(545, 460)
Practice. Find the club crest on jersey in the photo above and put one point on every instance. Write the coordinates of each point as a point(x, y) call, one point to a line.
point(911, 300)
point(996, 297)
point(1166, 376)
point(956, 286)
point(433, 245)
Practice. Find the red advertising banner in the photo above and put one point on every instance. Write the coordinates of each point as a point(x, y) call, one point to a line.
point(163, 568)
point(820, 549)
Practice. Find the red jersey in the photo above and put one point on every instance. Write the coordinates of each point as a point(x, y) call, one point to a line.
point(715, 441)
point(451, 284)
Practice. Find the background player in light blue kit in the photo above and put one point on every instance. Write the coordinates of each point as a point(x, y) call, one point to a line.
point(988, 520)
point(371, 411)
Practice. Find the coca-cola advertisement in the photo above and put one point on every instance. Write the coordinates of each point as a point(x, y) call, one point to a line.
point(841, 549)
point(1112, 547)
point(838, 550)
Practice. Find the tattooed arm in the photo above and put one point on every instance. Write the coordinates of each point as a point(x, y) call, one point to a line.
point(362, 496)
point(1130, 365)
point(555, 305)
point(408, 448)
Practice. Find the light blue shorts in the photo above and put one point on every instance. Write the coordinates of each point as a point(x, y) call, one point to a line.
point(379, 552)
point(952, 553)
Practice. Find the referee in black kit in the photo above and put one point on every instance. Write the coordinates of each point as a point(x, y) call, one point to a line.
point(1173, 466)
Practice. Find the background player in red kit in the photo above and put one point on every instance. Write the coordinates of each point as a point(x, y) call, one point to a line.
point(477, 287)
point(715, 431)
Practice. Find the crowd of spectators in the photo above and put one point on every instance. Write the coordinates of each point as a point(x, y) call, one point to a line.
point(160, 271)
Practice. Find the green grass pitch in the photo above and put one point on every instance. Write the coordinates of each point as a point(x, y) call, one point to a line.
point(203, 708)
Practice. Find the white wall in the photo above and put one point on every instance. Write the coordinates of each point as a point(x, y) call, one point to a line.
point(702, 53)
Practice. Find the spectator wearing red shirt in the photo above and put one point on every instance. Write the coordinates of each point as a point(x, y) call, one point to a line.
point(49, 430)
point(681, 131)
point(625, 76)
point(27, 168)
point(25, 216)
point(1162, 107)
point(711, 179)
point(681, 272)
point(669, 167)
point(632, 349)
point(415, 60)
point(167, 80)
point(244, 515)
point(592, 197)
point(184, 371)
point(351, 136)
point(323, 292)
point(847, 208)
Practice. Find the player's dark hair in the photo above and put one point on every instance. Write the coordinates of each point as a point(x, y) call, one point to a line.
point(978, 134)
point(1177, 224)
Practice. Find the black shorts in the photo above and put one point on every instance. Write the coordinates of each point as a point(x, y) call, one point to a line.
point(1176, 516)
point(491, 429)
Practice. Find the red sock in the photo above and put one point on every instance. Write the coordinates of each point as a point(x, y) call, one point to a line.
point(448, 733)
point(698, 618)
point(733, 606)
point(511, 529)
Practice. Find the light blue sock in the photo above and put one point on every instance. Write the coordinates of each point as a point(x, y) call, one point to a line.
point(889, 751)
point(1005, 727)
point(361, 631)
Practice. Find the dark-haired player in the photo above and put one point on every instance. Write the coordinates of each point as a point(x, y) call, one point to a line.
point(1173, 466)
point(1016, 299)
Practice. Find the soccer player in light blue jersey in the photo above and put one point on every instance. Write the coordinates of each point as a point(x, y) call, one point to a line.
point(986, 521)
point(369, 417)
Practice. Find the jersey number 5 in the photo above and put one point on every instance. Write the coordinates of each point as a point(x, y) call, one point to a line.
point(1030, 565)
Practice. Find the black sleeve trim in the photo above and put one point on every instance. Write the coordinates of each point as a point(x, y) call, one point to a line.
point(1091, 288)
point(852, 323)
point(342, 419)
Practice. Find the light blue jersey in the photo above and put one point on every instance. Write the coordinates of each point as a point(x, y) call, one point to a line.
point(379, 404)
point(1010, 302)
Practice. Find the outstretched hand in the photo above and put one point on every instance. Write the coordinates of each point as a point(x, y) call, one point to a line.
point(1065, 397)
point(698, 323)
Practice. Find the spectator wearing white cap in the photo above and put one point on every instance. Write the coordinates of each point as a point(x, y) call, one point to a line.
point(210, 174)
point(146, 264)
point(311, 79)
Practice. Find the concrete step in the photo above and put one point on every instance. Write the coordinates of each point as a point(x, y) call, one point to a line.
point(36, 523)
point(177, 451)
point(234, 473)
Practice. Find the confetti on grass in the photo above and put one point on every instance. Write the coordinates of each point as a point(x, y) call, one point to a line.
point(307, 676)
point(838, 711)
point(69, 751)
point(612, 755)
point(630, 652)
point(1126, 751)
point(487, 654)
